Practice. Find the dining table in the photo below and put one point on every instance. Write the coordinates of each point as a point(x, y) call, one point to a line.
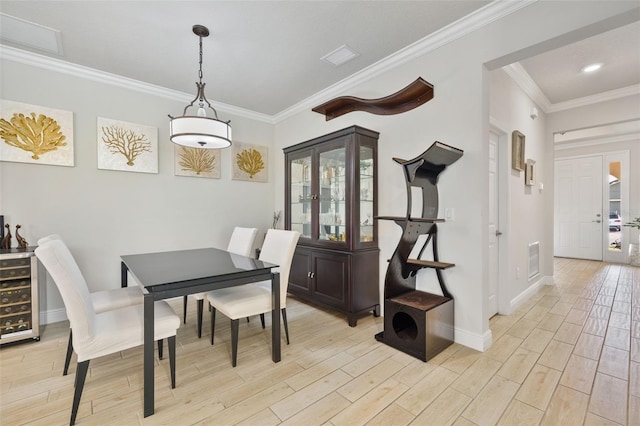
point(168, 274)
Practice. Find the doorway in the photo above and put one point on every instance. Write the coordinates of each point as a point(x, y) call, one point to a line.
point(590, 207)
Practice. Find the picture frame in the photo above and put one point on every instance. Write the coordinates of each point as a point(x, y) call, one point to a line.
point(23, 138)
point(529, 177)
point(249, 162)
point(517, 150)
point(127, 147)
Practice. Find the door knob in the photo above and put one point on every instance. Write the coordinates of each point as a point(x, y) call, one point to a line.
point(596, 221)
point(498, 233)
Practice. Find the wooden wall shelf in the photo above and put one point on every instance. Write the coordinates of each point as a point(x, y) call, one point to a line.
point(406, 99)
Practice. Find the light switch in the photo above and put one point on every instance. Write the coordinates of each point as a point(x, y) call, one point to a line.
point(449, 214)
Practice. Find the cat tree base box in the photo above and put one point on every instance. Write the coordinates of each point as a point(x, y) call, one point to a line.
point(418, 323)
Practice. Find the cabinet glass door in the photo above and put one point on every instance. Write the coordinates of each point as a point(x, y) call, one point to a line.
point(301, 196)
point(332, 215)
point(366, 193)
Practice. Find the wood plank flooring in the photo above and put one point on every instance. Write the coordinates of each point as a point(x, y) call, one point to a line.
point(570, 355)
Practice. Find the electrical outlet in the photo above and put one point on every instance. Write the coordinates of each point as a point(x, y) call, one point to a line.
point(517, 272)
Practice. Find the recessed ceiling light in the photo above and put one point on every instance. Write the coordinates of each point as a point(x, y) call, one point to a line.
point(341, 55)
point(591, 68)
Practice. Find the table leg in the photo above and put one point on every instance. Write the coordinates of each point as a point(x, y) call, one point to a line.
point(124, 277)
point(275, 317)
point(149, 386)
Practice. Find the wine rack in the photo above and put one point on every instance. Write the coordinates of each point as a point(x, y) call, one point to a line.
point(19, 315)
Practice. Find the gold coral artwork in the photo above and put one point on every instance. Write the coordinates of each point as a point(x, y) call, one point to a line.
point(127, 146)
point(35, 134)
point(249, 162)
point(197, 162)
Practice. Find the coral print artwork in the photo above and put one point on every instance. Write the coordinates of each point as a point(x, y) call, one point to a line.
point(35, 134)
point(249, 162)
point(196, 162)
point(127, 146)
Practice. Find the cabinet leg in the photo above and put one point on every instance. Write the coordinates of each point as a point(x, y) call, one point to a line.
point(353, 320)
point(376, 311)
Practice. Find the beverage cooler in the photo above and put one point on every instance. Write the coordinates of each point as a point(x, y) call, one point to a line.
point(19, 314)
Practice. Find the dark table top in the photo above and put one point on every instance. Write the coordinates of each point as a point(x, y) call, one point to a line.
point(154, 269)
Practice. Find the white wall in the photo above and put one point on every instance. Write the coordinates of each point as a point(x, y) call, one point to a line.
point(458, 115)
point(510, 108)
point(103, 214)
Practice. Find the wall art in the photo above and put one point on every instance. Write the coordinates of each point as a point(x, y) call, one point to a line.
point(35, 134)
point(196, 162)
point(127, 146)
point(517, 150)
point(529, 176)
point(249, 162)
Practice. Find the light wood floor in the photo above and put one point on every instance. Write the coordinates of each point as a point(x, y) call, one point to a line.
point(570, 355)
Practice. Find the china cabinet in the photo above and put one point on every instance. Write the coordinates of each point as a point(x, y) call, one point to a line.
point(331, 199)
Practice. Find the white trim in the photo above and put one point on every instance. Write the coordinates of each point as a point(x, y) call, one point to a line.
point(56, 65)
point(54, 315)
point(479, 342)
point(599, 141)
point(517, 301)
point(478, 19)
point(520, 76)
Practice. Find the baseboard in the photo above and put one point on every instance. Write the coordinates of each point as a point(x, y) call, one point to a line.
point(525, 295)
point(479, 342)
point(54, 315)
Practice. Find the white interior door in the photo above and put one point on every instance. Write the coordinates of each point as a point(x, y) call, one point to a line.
point(578, 218)
point(494, 232)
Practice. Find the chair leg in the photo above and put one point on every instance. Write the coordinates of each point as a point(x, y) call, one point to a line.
point(81, 375)
point(262, 320)
point(184, 310)
point(67, 359)
point(200, 309)
point(160, 348)
point(213, 321)
point(284, 321)
point(234, 341)
point(172, 360)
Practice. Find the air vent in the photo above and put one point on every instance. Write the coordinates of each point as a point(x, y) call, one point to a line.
point(341, 55)
point(29, 34)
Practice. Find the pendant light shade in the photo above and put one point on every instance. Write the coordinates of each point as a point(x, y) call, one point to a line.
point(200, 131)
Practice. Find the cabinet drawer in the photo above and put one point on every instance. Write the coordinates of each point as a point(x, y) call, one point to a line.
point(11, 324)
point(15, 309)
point(15, 283)
point(20, 295)
point(16, 262)
point(17, 272)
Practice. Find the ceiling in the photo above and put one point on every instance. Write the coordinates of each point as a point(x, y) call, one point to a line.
point(265, 56)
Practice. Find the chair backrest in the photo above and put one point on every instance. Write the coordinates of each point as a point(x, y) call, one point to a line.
point(48, 238)
point(278, 248)
point(241, 241)
point(64, 270)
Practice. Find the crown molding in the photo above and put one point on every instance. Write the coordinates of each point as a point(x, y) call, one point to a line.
point(597, 98)
point(599, 141)
point(478, 19)
point(57, 65)
point(520, 76)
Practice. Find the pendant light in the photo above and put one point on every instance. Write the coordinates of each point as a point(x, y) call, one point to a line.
point(200, 131)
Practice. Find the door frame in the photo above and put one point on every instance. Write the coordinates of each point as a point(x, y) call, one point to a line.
point(504, 215)
point(624, 157)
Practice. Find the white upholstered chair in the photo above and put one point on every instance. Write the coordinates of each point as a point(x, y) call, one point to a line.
point(103, 300)
point(241, 242)
point(255, 299)
point(99, 334)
